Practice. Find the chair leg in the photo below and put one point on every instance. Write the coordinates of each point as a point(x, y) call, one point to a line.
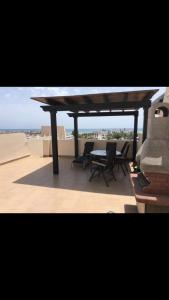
point(84, 164)
point(87, 163)
point(105, 180)
point(99, 172)
point(113, 175)
point(123, 169)
point(91, 177)
point(125, 165)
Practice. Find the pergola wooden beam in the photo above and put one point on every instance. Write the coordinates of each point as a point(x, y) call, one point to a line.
point(94, 106)
point(54, 142)
point(135, 135)
point(76, 142)
point(145, 119)
point(103, 114)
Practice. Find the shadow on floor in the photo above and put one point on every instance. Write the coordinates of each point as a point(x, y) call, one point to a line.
point(130, 209)
point(76, 178)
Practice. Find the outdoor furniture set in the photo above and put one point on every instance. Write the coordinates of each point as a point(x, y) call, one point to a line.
point(102, 162)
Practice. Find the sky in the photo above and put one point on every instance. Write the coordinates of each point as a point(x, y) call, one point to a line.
point(18, 111)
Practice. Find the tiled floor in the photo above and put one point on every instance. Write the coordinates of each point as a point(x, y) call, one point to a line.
point(28, 185)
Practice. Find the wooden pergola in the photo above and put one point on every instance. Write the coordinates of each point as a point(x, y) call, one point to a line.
point(96, 105)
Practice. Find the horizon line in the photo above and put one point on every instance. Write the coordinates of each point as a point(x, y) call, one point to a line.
point(72, 128)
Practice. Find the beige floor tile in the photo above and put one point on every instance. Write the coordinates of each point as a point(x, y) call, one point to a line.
point(28, 185)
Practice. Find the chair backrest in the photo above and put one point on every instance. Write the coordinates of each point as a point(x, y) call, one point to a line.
point(88, 147)
point(109, 145)
point(126, 151)
point(111, 152)
point(124, 147)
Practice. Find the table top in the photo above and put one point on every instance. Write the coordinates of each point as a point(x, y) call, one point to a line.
point(102, 152)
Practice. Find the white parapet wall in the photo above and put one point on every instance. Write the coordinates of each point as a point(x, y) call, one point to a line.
point(36, 146)
point(43, 147)
point(13, 146)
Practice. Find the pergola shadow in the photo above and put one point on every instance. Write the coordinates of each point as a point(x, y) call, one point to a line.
point(76, 178)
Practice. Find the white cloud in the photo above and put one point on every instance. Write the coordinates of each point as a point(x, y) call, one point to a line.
point(43, 91)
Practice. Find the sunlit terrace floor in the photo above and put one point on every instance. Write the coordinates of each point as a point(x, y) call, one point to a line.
point(28, 185)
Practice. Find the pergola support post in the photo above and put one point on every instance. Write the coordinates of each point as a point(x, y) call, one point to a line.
point(54, 141)
point(135, 135)
point(145, 121)
point(76, 144)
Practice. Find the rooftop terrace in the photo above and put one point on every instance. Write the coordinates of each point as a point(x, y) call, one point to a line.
point(28, 185)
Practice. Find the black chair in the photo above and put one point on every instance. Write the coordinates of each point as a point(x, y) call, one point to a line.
point(124, 147)
point(104, 165)
point(85, 158)
point(121, 161)
point(109, 145)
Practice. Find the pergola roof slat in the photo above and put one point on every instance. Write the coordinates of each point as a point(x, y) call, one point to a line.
point(101, 101)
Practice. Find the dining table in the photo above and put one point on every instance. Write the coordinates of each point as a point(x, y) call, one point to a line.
point(102, 153)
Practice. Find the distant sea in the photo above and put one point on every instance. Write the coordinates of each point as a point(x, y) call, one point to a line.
point(69, 130)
